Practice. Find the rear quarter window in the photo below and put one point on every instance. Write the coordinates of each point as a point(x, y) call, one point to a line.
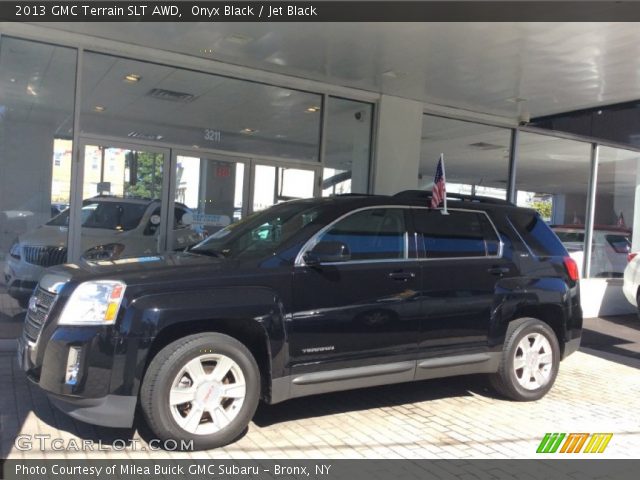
point(538, 236)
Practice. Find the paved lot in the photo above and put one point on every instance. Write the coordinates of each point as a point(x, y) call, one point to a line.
point(596, 391)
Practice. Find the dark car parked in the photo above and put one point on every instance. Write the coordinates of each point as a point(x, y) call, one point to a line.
point(309, 296)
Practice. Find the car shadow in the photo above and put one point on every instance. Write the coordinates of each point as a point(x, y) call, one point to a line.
point(266, 415)
point(614, 338)
point(374, 397)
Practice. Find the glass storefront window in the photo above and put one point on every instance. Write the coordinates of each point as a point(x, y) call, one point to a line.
point(37, 85)
point(348, 147)
point(276, 184)
point(476, 156)
point(617, 197)
point(212, 191)
point(131, 99)
point(552, 177)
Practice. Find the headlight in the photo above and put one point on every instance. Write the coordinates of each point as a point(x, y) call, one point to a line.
point(93, 303)
point(15, 250)
point(104, 252)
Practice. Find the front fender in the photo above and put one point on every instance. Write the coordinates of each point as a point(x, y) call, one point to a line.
point(147, 316)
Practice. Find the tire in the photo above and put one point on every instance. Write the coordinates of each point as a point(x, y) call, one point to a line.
point(521, 338)
point(210, 407)
point(638, 304)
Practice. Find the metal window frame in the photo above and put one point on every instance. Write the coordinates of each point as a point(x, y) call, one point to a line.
point(313, 241)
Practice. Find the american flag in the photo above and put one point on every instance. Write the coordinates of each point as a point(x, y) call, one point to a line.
point(439, 190)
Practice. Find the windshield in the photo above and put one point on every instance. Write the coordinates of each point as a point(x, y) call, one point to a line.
point(260, 233)
point(120, 216)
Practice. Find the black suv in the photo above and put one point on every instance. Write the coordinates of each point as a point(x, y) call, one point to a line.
point(306, 297)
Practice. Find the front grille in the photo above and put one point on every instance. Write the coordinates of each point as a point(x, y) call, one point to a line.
point(39, 307)
point(45, 256)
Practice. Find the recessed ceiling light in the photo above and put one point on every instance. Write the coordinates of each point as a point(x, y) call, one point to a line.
point(12, 80)
point(239, 39)
point(206, 51)
point(248, 131)
point(132, 78)
point(99, 108)
point(390, 74)
point(32, 91)
point(313, 109)
point(516, 99)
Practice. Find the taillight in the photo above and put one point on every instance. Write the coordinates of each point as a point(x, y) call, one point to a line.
point(572, 268)
point(631, 256)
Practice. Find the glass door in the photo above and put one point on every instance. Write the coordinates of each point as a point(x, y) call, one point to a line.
point(208, 194)
point(122, 211)
point(276, 182)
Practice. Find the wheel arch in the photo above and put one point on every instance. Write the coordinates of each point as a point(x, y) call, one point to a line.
point(550, 314)
point(249, 332)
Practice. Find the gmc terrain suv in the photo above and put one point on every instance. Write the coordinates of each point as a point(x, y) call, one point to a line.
point(307, 297)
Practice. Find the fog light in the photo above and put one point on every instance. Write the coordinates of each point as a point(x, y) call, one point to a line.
point(73, 366)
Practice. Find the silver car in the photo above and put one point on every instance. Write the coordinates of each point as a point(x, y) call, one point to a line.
point(112, 227)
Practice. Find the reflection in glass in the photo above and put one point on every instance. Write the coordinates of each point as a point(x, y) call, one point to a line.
point(36, 130)
point(616, 213)
point(278, 184)
point(476, 156)
point(197, 110)
point(212, 189)
point(348, 147)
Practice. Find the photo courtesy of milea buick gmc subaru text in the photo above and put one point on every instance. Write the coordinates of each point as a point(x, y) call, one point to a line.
point(306, 297)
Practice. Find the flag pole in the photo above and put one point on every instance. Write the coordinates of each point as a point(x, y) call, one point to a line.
point(444, 211)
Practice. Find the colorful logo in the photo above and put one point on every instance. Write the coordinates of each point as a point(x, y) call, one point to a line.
point(573, 442)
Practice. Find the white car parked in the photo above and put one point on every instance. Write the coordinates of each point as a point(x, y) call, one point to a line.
point(609, 252)
point(112, 227)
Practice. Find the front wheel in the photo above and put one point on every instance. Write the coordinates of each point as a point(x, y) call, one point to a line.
point(202, 388)
point(529, 363)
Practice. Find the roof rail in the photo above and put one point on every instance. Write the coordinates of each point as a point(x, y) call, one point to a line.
point(425, 194)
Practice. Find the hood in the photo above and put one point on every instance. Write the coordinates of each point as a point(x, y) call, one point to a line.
point(150, 269)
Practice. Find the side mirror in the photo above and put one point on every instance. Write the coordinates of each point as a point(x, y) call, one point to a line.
point(327, 252)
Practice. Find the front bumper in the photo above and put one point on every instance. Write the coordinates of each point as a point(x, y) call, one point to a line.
point(109, 411)
point(571, 346)
point(21, 278)
point(92, 398)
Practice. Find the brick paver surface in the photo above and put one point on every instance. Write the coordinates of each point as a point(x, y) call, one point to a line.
point(447, 418)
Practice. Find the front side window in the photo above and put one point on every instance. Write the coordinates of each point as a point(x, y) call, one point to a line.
point(456, 235)
point(374, 234)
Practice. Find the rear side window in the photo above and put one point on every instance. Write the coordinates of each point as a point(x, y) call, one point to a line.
point(537, 235)
point(374, 234)
point(460, 234)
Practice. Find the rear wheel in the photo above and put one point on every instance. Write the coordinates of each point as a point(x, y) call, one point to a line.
point(529, 362)
point(203, 388)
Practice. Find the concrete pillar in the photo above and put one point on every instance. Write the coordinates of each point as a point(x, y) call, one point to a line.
point(398, 145)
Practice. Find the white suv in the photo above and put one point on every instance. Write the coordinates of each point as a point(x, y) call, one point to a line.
point(112, 227)
point(609, 252)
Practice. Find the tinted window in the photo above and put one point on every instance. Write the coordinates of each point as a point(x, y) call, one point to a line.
point(456, 235)
point(371, 234)
point(537, 234)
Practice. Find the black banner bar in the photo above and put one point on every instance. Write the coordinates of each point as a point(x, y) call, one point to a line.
point(228, 469)
point(321, 11)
